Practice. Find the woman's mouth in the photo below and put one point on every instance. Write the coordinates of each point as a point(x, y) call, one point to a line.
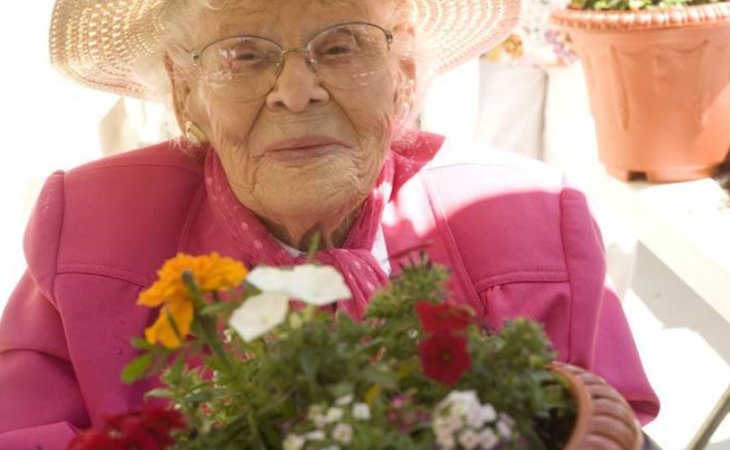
point(303, 148)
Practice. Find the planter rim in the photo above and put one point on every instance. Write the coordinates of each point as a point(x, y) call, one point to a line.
point(593, 421)
point(642, 19)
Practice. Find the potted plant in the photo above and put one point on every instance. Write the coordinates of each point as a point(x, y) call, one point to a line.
point(658, 80)
point(248, 369)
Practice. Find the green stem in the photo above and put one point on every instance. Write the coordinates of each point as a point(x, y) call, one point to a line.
point(206, 325)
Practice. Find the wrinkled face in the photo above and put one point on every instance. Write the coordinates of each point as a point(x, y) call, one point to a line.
point(305, 146)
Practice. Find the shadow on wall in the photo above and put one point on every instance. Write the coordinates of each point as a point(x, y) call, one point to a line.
point(668, 299)
point(724, 445)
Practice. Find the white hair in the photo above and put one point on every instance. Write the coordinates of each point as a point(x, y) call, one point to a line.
point(174, 43)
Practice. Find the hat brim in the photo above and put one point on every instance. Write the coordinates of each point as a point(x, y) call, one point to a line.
point(99, 43)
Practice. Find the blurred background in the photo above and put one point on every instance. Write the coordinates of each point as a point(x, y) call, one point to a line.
point(668, 246)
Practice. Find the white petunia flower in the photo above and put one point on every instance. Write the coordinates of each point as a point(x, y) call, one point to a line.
point(438, 425)
point(315, 435)
point(504, 429)
point(463, 402)
point(445, 441)
point(344, 400)
point(474, 420)
point(267, 278)
point(315, 410)
point(317, 285)
point(446, 425)
point(504, 417)
point(332, 447)
point(320, 421)
point(477, 417)
point(342, 433)
point(334, 414)
point(488, 412)
point(453, 423)
point(463, 397)
point(259, 314)
point(487, 439)
point(361, 411)
point(293, 442)
point(469, 439)
point(457, 403)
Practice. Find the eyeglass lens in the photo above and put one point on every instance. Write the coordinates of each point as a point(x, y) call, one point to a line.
point(345, 56)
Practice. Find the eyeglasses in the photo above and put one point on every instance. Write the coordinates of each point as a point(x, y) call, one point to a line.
point(344, 56)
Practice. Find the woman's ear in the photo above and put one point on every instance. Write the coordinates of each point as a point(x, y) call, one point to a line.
point(181, 92)
point(406, 64)
point(405, 93)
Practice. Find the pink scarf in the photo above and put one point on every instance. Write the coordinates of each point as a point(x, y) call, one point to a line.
point(354, 259)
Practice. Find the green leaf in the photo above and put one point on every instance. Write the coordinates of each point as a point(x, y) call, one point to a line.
point(313, 247)
point(372, 394)
point(308, 363)
point(136, 369)
point(199, 397)
point(142, 344)
point(342, 389)
point(385, 379)
point(214, 309)
point(160, 393)
point(175, 371)
point(409, 367)
point(295, 321)
point(160, 356)
point(216, 364)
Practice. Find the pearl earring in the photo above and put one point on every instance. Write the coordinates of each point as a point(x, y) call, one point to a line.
point(194, 134)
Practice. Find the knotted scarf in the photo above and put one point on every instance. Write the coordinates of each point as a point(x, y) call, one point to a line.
point(353, 259)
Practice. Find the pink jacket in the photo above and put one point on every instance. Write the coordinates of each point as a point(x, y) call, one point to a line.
point(518, 240)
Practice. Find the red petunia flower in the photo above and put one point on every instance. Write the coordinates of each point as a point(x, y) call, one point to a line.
point(444, 357)
point(136, 434)
point(442, 317)
point(95, 439)
point(161, 421)
point(147, 428)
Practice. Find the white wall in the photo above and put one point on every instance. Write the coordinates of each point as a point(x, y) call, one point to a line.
point(46, 123)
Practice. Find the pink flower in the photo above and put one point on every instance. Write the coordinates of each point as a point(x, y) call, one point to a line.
point(444, 357)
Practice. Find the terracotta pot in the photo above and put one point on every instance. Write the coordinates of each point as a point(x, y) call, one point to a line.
point(605, 421)
point(659, 87)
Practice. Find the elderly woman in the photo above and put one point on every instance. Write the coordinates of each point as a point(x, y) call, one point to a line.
point(296, 115)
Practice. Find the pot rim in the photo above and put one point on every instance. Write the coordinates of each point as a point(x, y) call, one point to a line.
point(642, 19)
point(585, 387)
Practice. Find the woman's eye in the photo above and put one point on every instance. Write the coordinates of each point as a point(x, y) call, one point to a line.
point(248, 56)
point(250, 60)
point(336, 50)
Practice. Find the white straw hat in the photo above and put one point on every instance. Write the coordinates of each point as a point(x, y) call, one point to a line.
point(99, 42)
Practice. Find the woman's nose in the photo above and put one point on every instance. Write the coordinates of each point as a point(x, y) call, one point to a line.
point(297, 86)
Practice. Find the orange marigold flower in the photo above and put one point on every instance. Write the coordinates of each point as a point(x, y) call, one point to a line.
point(211, 273)
point(162, 331)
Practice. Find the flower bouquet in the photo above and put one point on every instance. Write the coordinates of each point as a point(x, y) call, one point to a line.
point(261, 360)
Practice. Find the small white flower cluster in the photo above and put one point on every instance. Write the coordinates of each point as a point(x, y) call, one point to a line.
point(460, 421)
point(330, 423)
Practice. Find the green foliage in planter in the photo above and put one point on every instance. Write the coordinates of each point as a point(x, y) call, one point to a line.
point(635, 5)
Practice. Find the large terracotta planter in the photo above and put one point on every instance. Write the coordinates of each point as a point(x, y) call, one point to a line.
point(605, 420)
point(659, 87)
